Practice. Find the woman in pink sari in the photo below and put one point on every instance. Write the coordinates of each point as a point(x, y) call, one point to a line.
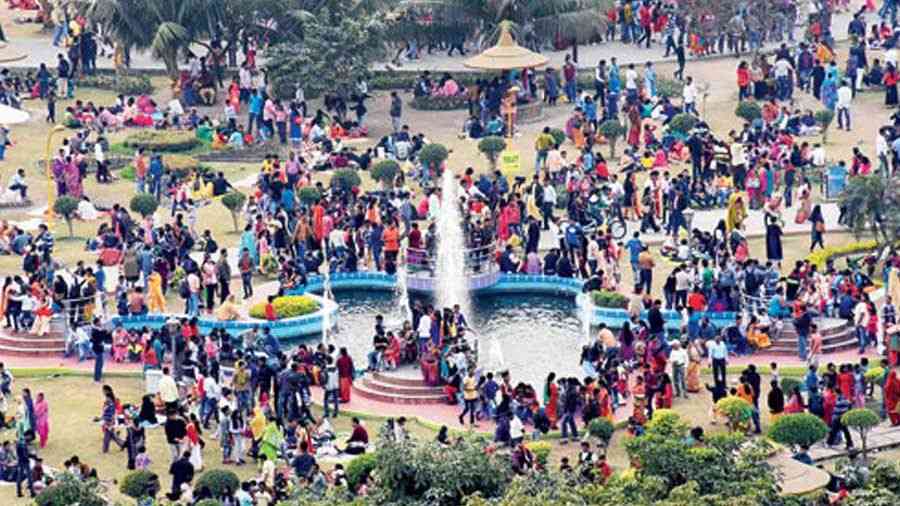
point(42, 419)
point(73, 180)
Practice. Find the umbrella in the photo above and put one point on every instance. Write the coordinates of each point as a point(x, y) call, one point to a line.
point(10, 116)
point(506, 55)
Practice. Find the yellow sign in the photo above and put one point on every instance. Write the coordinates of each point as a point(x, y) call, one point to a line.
point(510, 162)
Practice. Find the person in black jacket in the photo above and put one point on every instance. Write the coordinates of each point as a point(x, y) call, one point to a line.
point(776, 400)
point(182, 472)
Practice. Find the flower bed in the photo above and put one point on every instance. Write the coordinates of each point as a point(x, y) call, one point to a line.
point(166, 142)
point(602, 298)
point(440, 103)
point(289, 306)
point(821, 257)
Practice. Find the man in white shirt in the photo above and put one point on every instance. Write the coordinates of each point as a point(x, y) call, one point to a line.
point(782, 70)
point(844, 97)
point(689, 96)
point(679, 359)
point(818, 156)
point(245, 78)
point(424, 329)
point(631, 78)
point(861, 319)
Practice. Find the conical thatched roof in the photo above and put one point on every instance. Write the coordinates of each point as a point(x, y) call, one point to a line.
point(506, 55)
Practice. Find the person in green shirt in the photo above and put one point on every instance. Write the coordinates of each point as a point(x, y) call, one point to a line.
point(23, 467)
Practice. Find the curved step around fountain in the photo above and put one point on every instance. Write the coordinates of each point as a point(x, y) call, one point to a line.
point(26, 345)
point(398, 389)
point(837, 336)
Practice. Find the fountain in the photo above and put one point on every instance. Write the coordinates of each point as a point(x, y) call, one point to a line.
point(327, 295)
point(451, 283)
point(404, 313)
point(585, 314)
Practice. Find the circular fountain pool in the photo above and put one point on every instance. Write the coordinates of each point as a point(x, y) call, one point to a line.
point(536, 334)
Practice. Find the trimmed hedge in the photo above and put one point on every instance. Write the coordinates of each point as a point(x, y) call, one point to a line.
point(440, 103)
point(799, 429)
point(614, 300)
point(359, 467)
point(289, 306)
point(162, 141)
point(125, 85)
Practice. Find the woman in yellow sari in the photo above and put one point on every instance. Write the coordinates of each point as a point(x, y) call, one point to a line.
point(737, 212)
point(155, 300)
point(758, 334)
point(695, 358)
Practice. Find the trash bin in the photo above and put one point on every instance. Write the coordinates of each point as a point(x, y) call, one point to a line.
point(836, 181)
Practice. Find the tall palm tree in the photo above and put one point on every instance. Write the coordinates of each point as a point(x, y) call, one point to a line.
point(165, 27)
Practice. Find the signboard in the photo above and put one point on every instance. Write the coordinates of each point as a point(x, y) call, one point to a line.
point(510, 162)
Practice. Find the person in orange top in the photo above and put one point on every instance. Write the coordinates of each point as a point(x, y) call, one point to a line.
point(391, 238)
point(271, 315)
point(743, 81)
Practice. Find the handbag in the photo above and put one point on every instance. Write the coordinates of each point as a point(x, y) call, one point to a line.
point(820, 226)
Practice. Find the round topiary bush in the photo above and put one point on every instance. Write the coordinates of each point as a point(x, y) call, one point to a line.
point(798, 429)
point(345, 180)
point(386, 171)
point(602, 429)
point(736, 410)
point(748, 111)
point(144, 204)
point(289, 306)
point(667, 422)
point(433, 155)
point(360, 466)
point(541, 451)
point(138, 484)
point(309, 195)
point(67, 489)
point(612, 130)
point(219, 481)
point(788, 385)
point(559, 137)
point(166, 141)
point(682, 123)
point(234, 202)
point(491, 147)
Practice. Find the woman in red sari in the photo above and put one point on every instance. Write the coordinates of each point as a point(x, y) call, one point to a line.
point(345, 374)
point(664, 397)
point(634, 131)
point(892, 396)
point(605, 402)
point(551, 398)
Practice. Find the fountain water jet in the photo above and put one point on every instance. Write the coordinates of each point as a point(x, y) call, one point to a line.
point(451, 283)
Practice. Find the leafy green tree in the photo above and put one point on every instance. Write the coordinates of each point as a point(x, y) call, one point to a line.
point(234, 202)
point(748, 111)
point(682, 123)
point(433, 156)
point(66, 207)
point(872, 205)
point(861, 420)
point(736, 410)
point(602, 429)
point(340, 40)
point(309, 195)
point(491, 147)
point(386, 171)
point(345, 180)
point(611, 129)
point(144, 204)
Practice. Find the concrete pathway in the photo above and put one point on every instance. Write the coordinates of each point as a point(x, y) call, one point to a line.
point(882, 437)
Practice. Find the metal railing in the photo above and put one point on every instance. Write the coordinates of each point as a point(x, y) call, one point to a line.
point(477, 260)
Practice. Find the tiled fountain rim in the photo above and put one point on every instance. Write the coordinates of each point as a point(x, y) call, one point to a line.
point(300, 325)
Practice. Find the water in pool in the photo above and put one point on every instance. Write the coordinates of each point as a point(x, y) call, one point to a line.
point(536, 334)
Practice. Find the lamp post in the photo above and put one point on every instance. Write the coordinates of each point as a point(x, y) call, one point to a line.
point(51, 191)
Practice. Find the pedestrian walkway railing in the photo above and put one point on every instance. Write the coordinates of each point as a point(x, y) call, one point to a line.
point(477, 260)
